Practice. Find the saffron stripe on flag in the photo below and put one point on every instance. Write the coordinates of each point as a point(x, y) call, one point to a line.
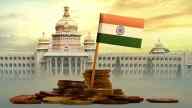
point(119, 40)
point(120, 20)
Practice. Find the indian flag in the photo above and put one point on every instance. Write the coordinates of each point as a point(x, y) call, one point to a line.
point(119, 30)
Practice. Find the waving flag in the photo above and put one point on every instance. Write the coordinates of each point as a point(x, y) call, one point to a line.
point(119, 30)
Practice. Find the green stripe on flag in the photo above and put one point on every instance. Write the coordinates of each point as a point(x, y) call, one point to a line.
point(119, 40)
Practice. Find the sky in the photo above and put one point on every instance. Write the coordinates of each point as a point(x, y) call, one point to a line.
point(23, 21)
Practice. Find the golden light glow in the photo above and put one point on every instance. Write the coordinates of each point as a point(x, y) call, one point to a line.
point(169, 20)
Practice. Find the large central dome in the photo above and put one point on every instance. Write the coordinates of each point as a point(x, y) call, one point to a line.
point(66, 24)
point(159, 48)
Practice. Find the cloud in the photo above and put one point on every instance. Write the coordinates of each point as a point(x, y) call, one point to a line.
point(10, 16)
point(168, 16)
point(136, 3)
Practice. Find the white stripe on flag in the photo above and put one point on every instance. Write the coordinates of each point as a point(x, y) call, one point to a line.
point(129, 31)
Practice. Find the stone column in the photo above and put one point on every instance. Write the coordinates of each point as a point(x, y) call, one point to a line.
point(50, 65)
point(76, 65)
point(84, 64)
point(70, 73)
point(62, 63)
point(81, 65)
point(47, 63)
point(56, 66)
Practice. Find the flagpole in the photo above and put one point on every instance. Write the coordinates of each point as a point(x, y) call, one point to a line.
point(95, 59)
point(94, 65)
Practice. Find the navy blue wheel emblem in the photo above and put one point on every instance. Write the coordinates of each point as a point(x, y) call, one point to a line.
point(120, 30)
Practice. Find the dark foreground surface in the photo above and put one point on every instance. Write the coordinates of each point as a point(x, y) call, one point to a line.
point(180, 89)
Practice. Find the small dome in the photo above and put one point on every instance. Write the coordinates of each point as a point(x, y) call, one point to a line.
point(88, 39)
point(159, 48)
point(66, 24)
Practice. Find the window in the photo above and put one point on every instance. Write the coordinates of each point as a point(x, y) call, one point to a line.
point(109, 58)
point(144, 58)
point(179, 59)
point(122, 58)
point(113, 58)
point(161, 65)
point(99, 58)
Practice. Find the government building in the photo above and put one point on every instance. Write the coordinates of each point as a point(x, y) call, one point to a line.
point(65, 55)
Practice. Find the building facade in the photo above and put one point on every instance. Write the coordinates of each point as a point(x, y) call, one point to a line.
point(65, 55)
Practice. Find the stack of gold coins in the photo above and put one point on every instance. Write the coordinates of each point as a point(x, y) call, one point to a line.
point(118, 92)
point(104, 92)
point(101, 79)
point(69, 87)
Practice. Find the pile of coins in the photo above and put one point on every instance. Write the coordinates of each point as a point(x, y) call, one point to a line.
point(70, 88)
point(101, 79)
